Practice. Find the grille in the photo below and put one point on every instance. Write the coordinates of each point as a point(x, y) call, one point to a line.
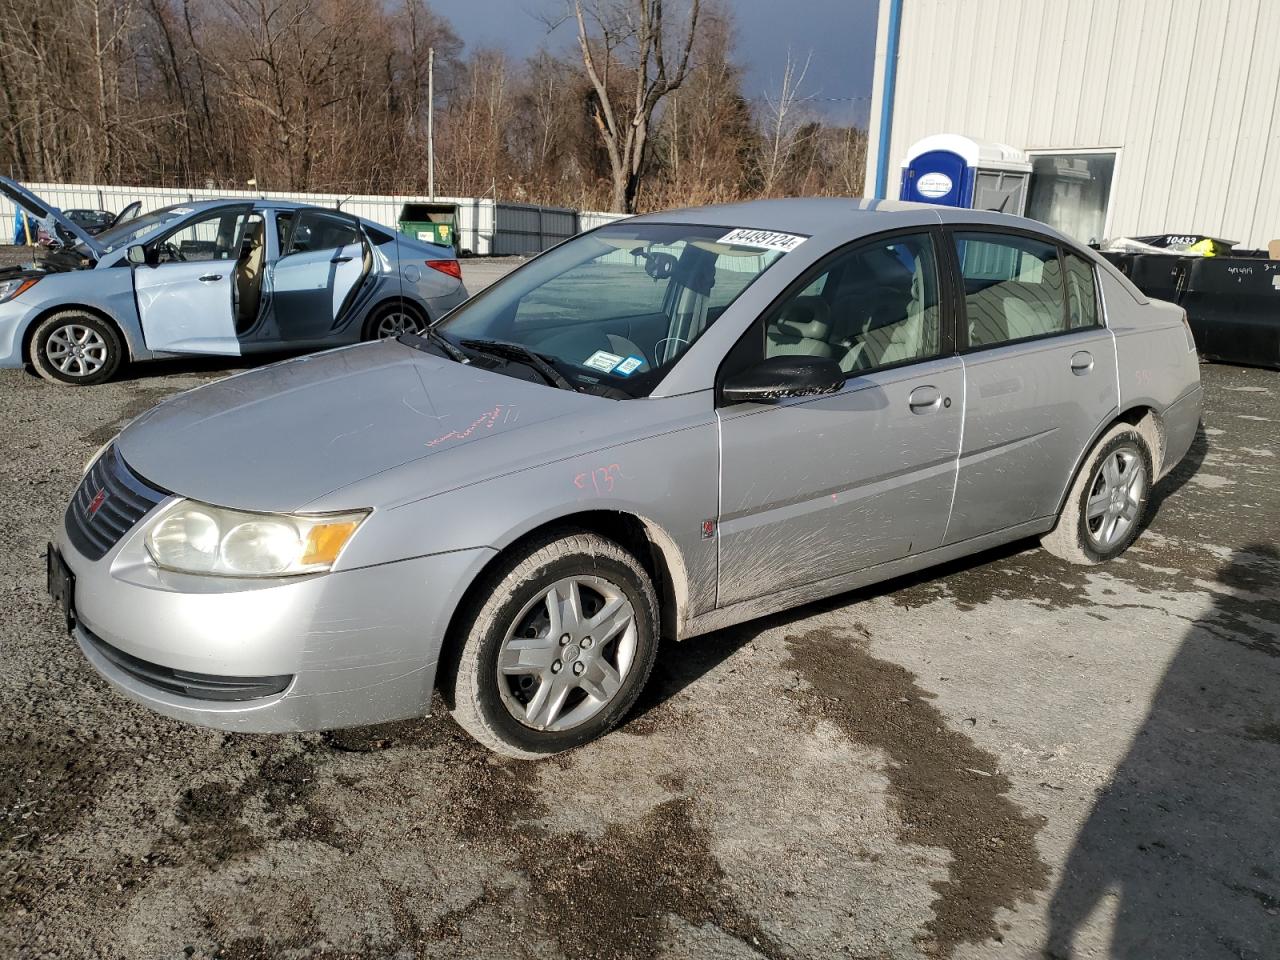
point(202, 686)
point(122, 499)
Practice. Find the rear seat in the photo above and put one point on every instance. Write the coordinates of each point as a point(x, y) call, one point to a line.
point(1013, 311)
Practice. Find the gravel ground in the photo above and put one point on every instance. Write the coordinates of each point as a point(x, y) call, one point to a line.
point(1006, 754)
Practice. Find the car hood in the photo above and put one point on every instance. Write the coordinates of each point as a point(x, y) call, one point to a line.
point(47, 215)
point(279, 438)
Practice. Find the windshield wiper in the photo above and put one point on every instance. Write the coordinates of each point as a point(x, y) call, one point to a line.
point(521, 354)
point(419, 341)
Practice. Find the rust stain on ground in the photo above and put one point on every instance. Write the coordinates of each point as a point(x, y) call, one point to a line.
point(947, 792)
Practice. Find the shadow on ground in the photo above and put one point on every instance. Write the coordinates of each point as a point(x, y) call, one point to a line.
point(1193, 797)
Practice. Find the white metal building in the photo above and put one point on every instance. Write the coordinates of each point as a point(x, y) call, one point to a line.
point(1139, 116)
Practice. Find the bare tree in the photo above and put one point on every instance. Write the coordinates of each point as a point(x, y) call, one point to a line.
point(645, 112)
point(782, 124)
point(629, 36)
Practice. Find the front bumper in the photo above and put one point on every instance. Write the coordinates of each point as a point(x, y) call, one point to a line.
point(352, 648)
point(15, 317)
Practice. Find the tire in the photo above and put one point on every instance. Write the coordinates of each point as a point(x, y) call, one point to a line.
point(512, 621)
point(1115, 479)
point(392, 319)
point(76, 347)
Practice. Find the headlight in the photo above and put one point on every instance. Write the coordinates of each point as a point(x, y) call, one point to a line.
point(11, 288)
point(193, 537)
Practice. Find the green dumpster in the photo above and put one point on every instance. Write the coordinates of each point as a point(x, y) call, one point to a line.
point(430, 222)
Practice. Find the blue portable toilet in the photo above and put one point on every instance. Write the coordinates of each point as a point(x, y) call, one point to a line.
point(957, 171)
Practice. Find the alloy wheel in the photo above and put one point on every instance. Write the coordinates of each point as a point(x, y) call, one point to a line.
point(567, 653)
point(76, 350)
point(1114, 502)
point(393, 323)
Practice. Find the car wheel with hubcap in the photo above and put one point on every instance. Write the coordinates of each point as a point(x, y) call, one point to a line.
point(392, 321)
point(75, 347)
point(1107, 502)
point(562, 642)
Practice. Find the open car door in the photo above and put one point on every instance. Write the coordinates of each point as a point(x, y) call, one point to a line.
point(185, 291)
point(323, 261)
point(128, 213)
point(50, 217)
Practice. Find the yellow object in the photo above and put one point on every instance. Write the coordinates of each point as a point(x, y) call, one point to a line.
point(326, 540)
point(1209, 247)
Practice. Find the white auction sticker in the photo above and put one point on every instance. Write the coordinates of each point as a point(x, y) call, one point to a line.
point(602, 360)
point(765, 239)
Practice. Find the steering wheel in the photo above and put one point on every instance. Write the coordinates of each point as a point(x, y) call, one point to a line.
point(172, 252)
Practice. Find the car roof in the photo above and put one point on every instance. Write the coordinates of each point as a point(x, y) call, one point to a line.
point(845, 217)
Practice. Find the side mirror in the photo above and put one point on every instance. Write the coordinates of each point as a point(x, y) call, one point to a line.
point(138, 256)
point(779, 377)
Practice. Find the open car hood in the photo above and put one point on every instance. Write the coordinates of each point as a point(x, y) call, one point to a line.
point(49, 217)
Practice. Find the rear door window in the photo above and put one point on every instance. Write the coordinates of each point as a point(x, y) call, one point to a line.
point(1013, 288)
point(318, 230)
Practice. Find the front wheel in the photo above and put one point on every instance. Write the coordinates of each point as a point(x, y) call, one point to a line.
point(1107, 502)
point(562, 643)
point(75, 347)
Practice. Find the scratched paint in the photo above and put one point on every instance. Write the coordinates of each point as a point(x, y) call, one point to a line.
point(483, 422)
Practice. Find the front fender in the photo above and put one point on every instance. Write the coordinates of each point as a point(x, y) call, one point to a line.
point(107, 291)
point(669, 482)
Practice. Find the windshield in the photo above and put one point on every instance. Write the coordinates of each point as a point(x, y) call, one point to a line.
point(617, 307)
point(129, 231)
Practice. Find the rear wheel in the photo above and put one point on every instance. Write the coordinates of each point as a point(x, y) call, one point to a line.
point(392, 320)
point(562, 642)
point(1107, 502)
point(77, 348)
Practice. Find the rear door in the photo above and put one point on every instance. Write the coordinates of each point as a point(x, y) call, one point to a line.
point(816, 487)
point(185, 300)
point(1040, 376)
point(322, 264)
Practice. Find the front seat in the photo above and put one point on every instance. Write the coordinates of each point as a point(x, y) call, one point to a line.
point(249, 277)
point(802, 329)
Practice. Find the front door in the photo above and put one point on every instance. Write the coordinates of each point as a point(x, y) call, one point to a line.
point(817, 487)
point(1040, 378)
point(321, 266)
point(186, 293)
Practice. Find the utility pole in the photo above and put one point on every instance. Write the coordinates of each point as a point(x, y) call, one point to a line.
point(431, 122)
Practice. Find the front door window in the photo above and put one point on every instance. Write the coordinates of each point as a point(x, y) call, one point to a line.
point(214, 237)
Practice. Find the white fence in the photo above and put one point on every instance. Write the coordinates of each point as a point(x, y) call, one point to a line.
point(484, 227)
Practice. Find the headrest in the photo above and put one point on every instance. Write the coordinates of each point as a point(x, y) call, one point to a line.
point(806, 317)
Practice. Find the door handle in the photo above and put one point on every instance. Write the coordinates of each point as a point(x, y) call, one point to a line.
point(1081, 362)
point(924, 399)
point(340, 260)
point(210, 277)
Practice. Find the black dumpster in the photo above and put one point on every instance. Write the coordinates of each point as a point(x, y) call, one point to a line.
point(1158, 275)
point(1233, 305)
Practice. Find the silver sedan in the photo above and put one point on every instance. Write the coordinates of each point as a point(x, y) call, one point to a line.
point(663, 427)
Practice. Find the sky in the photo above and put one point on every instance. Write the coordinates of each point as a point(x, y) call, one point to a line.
point(840, 35)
